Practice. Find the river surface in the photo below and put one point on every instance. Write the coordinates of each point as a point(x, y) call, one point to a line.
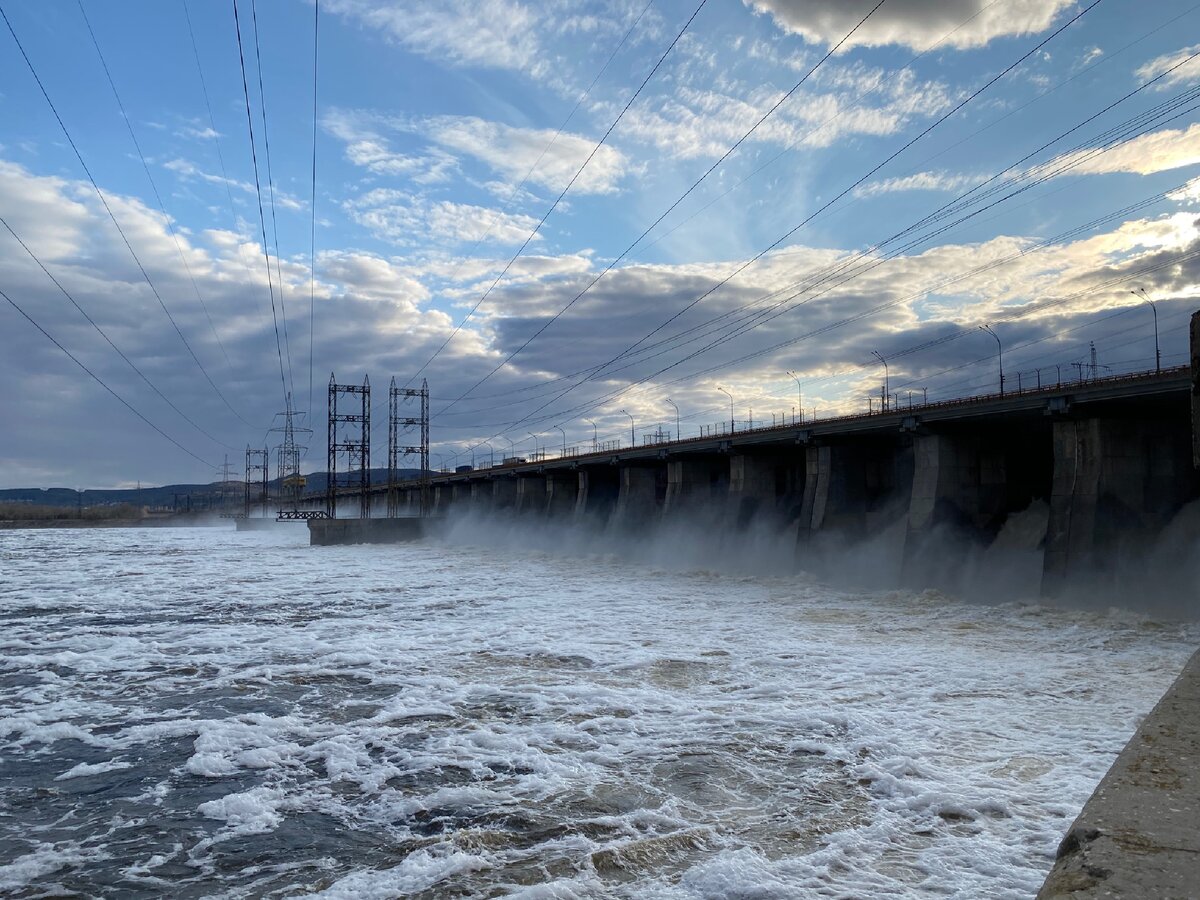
point(197, 712)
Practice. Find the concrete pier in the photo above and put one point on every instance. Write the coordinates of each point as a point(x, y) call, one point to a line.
point(562, 493)
point(1139, 834)
point(531, 494)
point(639, 495)
point(328, 532)
point(695, 480)
point(756, 482)
point(1117, 482)
point(504, 492)
point(598, 487)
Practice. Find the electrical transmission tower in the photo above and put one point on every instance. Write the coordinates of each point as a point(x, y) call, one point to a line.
point(292, 483)
point(257, 479)
point(352, 444)
point(398, 397)
point(225, 487)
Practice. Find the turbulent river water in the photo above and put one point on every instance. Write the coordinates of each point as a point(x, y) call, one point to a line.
point(198, 712)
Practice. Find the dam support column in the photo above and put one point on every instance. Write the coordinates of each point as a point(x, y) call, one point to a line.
point(531, 494)
point(597, 491)
point(1117, 483)
point(504, 492)
point(756, 484)
point(854, 490)
point(639, 497)
point(958, 494)
point(694, 482)
point(460, 496)
point(481, 495)
point(443, 497)
point(562, 493)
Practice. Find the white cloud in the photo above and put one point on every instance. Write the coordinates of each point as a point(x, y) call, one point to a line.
point(367, 148)
point(499, 34)
point(912, 23)
point(512, 152)
point(920, 181)
point(187, 169)
point(1158, 151)
point(508, 151)
point(693, 123)
point(1183, 65)
point(407, 219)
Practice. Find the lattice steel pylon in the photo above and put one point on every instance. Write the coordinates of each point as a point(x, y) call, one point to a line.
point(288, 454)
point(398, 397)
point(257, 479)
point(357, 473)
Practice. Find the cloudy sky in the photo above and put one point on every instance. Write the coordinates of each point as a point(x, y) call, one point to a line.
point(559, 211)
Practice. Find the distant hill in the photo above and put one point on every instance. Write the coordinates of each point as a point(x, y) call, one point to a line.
point(169, 496)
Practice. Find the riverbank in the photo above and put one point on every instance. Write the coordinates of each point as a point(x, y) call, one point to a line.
point(1137, 835)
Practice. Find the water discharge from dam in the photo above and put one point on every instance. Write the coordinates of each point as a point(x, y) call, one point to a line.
point(543, 713)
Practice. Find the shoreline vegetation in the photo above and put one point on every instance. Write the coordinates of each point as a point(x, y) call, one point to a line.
point(119, 515)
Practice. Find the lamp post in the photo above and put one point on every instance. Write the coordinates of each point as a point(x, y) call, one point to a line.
point(732, 424)
point(535, 444)
point(512, 449)
point(441, 462)
point(595, 443)
point(632, 436)
point(1157, 355)
point(999, 353)
point(491, 453)
point(799, 397)
point(678, 434)
point(564, 434)
point(886, 382)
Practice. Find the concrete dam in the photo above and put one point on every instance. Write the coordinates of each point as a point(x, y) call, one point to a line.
point(1106, 464)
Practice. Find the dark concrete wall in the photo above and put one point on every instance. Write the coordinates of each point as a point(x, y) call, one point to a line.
point(1117, 483)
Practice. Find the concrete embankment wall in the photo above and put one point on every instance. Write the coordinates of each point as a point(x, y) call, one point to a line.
point(1139, 834)
point(326, 532)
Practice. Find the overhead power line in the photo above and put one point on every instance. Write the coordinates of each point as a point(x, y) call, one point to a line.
point(859, 181)
point(575, 177)
point(262, 101)
point(312, 228)
point(104, 201)
point(729, 152)
point(524, 179)
point(100, 381)
point(262, 220)
point(104, 335)
point(216, 136)
point(153, 186)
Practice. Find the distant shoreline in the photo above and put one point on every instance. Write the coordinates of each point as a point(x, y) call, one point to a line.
point(171, 522)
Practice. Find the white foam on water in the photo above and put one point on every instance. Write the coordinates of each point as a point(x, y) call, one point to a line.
point(217, 712)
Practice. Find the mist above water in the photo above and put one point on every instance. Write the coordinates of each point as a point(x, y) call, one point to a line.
point(1159, 576)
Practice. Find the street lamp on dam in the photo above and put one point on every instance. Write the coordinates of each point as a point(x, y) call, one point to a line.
point(999, 353)
point(730, 396)
point(1141, 292)
point(632, 436)
point(886, 383)
point(678, 435)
